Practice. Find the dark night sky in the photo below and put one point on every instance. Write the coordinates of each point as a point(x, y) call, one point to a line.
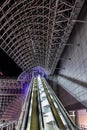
point(8, 66)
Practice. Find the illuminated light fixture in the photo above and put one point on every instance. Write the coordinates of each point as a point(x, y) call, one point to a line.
point(1, 74)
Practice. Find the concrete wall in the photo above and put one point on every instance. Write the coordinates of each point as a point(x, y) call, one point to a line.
point(69, 102)
point(75, 56)
point(82, 118)
point(73, 73)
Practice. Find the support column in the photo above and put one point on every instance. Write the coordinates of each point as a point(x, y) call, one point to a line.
point(7, 127)
point(1, 128)
point(12, 126)
point(76, 118)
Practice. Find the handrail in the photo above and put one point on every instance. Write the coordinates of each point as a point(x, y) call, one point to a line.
point(62, 109)
point(3, 125)
point(55, 113)
point(33, 119)
point(33, 104)
point(26, 111)
point(23, 116)
point(40, 111)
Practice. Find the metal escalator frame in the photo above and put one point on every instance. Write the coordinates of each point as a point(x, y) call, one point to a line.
point(23, 127)
point(40, 112)
point(6, 125)
point(63, 111)
point(34, 125)
point(33, 108)
point(54, 111)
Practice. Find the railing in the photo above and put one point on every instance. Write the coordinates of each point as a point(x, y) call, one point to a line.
point(8, 126)
point(83, 127)
point(47, 108)
point(69, 121)
point(24, 112)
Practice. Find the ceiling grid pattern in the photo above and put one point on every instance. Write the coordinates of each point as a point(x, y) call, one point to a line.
point(11, 98)
point(34, 32)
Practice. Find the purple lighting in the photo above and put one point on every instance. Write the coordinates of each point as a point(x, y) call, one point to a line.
point(39, 71)
point(25, 77)
point(25, 87)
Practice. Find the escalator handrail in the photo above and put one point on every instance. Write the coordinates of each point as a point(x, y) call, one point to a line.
point(63, 109)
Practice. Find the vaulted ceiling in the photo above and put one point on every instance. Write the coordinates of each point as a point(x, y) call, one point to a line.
point(32, 33)
point(35, 32)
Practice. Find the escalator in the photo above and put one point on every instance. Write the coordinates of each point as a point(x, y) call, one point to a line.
point(61, 116)
point(54, 111)
point(45, 111)
point(34, 119)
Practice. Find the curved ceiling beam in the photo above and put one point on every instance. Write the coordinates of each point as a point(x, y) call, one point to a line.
point(40, 32)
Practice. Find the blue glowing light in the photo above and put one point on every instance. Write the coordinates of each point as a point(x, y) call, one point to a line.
point(25, 77)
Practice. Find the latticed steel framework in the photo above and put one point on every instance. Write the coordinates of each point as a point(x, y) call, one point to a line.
point(34, 32)
point(11, 99)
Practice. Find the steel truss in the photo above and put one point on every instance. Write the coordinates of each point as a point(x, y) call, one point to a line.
point(34, 32)
point(11, 99)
